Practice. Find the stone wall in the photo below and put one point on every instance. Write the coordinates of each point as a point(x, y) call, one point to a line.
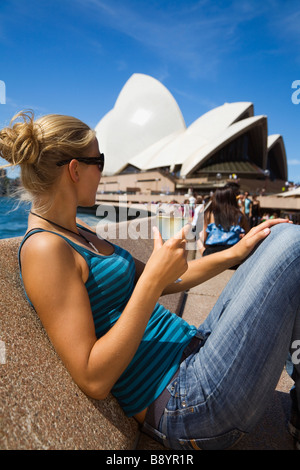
point(40, 405)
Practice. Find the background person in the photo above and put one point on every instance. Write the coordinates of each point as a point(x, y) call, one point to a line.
point(224, 223)
point(255, 215)
point(247, 206)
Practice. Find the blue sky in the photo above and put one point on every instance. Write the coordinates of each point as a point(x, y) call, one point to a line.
point(74, 56)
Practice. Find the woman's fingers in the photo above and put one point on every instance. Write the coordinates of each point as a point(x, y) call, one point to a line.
point(254, 236)
point(168, 260)
point(157, 239)
point(267, 224)
point(182, 234)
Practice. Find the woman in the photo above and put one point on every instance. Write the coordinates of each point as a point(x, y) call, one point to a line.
point(190, 388)
point(224, 223)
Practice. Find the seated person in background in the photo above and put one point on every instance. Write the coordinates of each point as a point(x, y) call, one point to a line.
point(224, 223)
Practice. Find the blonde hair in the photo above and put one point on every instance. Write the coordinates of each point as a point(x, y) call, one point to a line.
point(37, 145)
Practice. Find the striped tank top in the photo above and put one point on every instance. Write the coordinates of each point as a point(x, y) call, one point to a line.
point(109, 286)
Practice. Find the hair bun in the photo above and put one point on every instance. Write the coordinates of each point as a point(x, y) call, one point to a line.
point(19, 143)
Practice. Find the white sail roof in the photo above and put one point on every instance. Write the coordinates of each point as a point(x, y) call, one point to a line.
point(224, 138)
point(144, 113)
point(177, 149)
point(146, 129)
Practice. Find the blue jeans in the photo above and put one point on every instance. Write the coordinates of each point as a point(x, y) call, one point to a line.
point(222, 389)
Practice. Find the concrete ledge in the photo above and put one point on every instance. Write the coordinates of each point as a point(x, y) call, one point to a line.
point(41, 407)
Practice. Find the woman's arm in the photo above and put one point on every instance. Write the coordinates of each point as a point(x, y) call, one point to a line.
point(54, 276)
point(205, 268)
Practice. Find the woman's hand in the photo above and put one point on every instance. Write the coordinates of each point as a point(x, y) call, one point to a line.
point(168, 260)
point(244, 247)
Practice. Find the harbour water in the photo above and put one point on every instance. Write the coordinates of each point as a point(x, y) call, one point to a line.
point(14, 215)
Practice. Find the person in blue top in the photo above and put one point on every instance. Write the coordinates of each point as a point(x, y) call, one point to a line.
point(190, 387)
point(224, 223)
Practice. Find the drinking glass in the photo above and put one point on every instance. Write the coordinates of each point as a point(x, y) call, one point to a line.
point(170, 219)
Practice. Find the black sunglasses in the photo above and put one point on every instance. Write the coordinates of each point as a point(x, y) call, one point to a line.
point(87, 160)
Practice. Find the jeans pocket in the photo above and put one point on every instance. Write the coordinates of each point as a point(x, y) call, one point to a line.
point(224, 441)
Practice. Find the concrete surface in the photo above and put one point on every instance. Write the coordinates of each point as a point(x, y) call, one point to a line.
point(41, 408)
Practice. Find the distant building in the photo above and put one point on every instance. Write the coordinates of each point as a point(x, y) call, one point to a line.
point(148, 146)
point(7, 185)
point(3, 182)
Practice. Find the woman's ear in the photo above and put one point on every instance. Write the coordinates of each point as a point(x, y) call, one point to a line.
point(74, 170)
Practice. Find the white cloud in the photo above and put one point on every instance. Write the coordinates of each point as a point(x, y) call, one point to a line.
point(293, 161)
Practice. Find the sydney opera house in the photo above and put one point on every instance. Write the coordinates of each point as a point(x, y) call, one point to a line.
point(149, 148)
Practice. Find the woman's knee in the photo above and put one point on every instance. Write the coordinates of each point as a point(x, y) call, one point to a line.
point(287, 231)
point(277, 250)
point(285, 239)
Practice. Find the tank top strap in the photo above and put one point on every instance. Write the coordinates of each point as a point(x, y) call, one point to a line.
point(37, 230)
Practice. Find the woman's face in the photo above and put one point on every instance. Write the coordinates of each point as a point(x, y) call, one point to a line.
point(91, 176)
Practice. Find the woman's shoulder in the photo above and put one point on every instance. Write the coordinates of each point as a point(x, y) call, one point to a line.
point(47, 259)
point(45, 245)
